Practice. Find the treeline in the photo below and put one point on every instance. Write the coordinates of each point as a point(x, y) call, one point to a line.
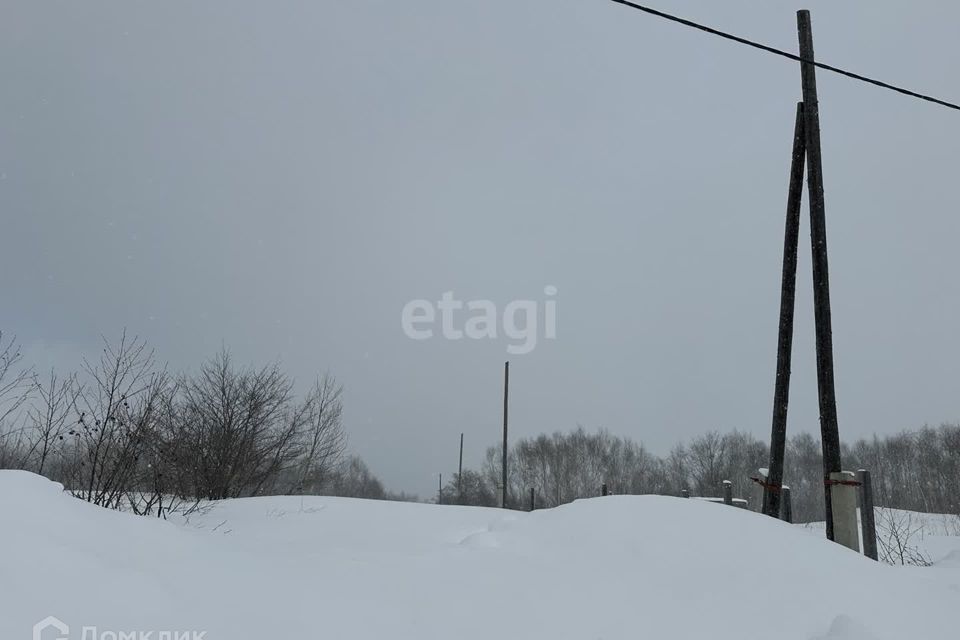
point(125, 433)
point(914, 470)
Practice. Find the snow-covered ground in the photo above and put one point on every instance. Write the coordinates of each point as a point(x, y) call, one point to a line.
point(638, 567)
point(911, 537)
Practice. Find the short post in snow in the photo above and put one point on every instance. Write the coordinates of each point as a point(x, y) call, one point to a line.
point(786, 506)
point(727, 492)
point(603, 489)
point(533, 498)
point(842, 487)
point(684, 493)
point(867, 519)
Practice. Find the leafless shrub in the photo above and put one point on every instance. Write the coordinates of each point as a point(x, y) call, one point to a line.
point(49, 421)
point(115, 409)
point(14, 448)
point(16, 386)
point(319, 421)
point(897, 532)
point(16, 381)
point(232, 429)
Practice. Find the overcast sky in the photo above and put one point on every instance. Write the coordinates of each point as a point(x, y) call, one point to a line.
point(284, 177)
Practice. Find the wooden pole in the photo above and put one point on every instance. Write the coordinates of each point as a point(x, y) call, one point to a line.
point(506, 396)
point(727, 492)
point(440, 491)
point(829, 431)
point(533, 499)
point(788, 288)
point(460, 473)
point(867, 518)
point(603, 489)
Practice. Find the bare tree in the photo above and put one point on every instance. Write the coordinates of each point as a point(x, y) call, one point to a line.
point(472, 491)
point(16, 381)
point(49, 420)
point(16, 386)
point(116, 409)
point(235, 431)
point(355, 480)
point(319, 421)
point(706, 459)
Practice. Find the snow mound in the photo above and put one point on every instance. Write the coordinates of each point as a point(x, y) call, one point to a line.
point(615, 567)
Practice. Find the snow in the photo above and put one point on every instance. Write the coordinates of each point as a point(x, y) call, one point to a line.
point(617, 567)
point(934, 536)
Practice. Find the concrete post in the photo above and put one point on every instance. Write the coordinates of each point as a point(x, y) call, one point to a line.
point(843, 499)
point(786, 505)
point(727, 492)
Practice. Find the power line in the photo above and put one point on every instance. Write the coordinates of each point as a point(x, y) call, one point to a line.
point(785, 54)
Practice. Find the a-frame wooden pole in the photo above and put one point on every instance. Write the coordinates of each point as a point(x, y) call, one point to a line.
point(788, 288)
point(829, 431)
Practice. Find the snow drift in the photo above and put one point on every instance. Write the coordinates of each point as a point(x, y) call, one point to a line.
point(287, 568)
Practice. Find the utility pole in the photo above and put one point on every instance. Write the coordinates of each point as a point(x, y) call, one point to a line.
point(829, 431)
point(506, 395)
point(788, 289)
point(440, 490)
point(460, 473)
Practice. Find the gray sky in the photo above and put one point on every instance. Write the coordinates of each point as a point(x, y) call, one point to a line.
point(283, 177)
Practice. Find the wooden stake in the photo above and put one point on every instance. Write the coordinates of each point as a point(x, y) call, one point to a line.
point(829, 431)
point(786, 506)
point(506, 394)
point(788, 288)
point(867, 516)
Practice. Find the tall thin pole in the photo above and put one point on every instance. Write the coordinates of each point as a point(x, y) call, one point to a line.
point(506, 394)
point(460, 472)
point(829, 431)
point(788, 289)
point(440, 490)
